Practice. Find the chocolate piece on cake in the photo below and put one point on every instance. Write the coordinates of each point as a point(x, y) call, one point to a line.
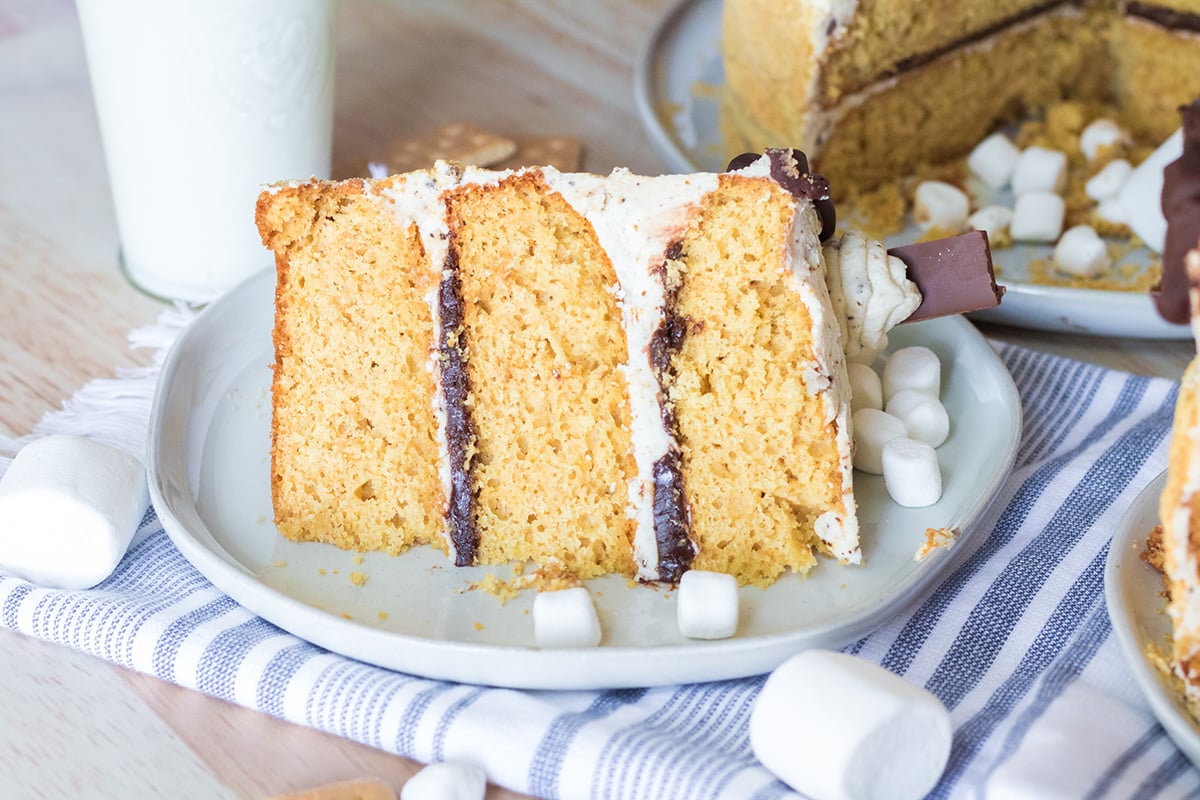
point(621, 374)
point(1181, 208)
point(954, 274)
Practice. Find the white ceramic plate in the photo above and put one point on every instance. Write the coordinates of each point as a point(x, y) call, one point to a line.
point(208, 464)
point(1133, 592)
point(676, 86)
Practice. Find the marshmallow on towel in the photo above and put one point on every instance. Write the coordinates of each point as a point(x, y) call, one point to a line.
point(1099, 134)
point(991, 220)
point(1081, 251)
point(913, 367)
point(911, 472)
point(446, 780)
point(941, 206)
point(566, 618)
point(1108, 182)
point(838, 727)
point(68, 508)
point(1039, 169)
point(1037, 217)
point(923, 415)
point(707, 605)
point(872, 430)
point(866, 390)
point(994, 160)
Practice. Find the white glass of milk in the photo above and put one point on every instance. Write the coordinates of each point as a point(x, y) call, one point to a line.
point(200, 103)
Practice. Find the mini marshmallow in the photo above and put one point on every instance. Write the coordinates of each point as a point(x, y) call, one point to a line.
point(914, 367)
point(1037, 217)
point(1039, 169)
point(1108, 182)
point(992, 220)
point(566, 618)
point(1111, 210)
point(1099, 134)
point(940, 205)
point(911, 473)
point(863, 732)
point(706, 605)
point(1141, 196)
point(446, 780)
point(1081, 251)
point(923, 415)
point(872, 430)
point(866, 390)
point(69, 507)
point(994, 160)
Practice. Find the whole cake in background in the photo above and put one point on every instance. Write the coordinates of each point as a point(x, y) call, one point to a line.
point(872, 89)
point(1179, 506)
point(622, 374)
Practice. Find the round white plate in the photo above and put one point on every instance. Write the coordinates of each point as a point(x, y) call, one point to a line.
point(208, 465)
point(676, 86)
point(1133, 592)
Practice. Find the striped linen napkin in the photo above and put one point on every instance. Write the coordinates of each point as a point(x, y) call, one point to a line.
point(1015, 640)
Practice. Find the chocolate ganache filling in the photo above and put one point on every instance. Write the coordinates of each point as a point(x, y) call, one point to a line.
point(672, 524)
point(1164, 17)
point(460, 428)
point(1181, 207)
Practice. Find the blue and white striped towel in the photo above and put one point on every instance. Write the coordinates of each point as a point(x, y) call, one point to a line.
point(1016, 640)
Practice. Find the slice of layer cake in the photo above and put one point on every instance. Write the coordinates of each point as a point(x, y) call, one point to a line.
point(622, 374)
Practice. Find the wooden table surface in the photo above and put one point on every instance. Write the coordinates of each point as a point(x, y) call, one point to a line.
point(72, 725)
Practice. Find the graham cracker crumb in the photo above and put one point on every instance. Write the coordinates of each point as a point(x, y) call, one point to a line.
point(358, 579)
point(935, 538)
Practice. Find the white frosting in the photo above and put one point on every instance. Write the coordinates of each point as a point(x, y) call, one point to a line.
point(1181, 561)
point(870, 292)
point(635, 219)
point(416, 198)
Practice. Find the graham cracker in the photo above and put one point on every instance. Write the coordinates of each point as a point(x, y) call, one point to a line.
point(459, 141)
point(360, 789)
point(564, 153)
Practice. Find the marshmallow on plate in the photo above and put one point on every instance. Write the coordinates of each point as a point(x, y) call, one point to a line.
point(446, 780)
point(1039, 169)
point(1141, 196)
point(707, 605)
point(911, 473)
point(940, 205)
point(565, 618)
point(864, 732)
point(1108, 182)
point(866, 390)
point(1098, 134)
point(1037, 217)
point(1081, 251)
point(68, 508)
point(994, 160)
point(991, 220)
point(1111, 210)
point(923, 415)
point(913, 367)
point(872, 430)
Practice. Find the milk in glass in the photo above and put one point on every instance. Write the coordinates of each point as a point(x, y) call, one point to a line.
point(200, 104)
